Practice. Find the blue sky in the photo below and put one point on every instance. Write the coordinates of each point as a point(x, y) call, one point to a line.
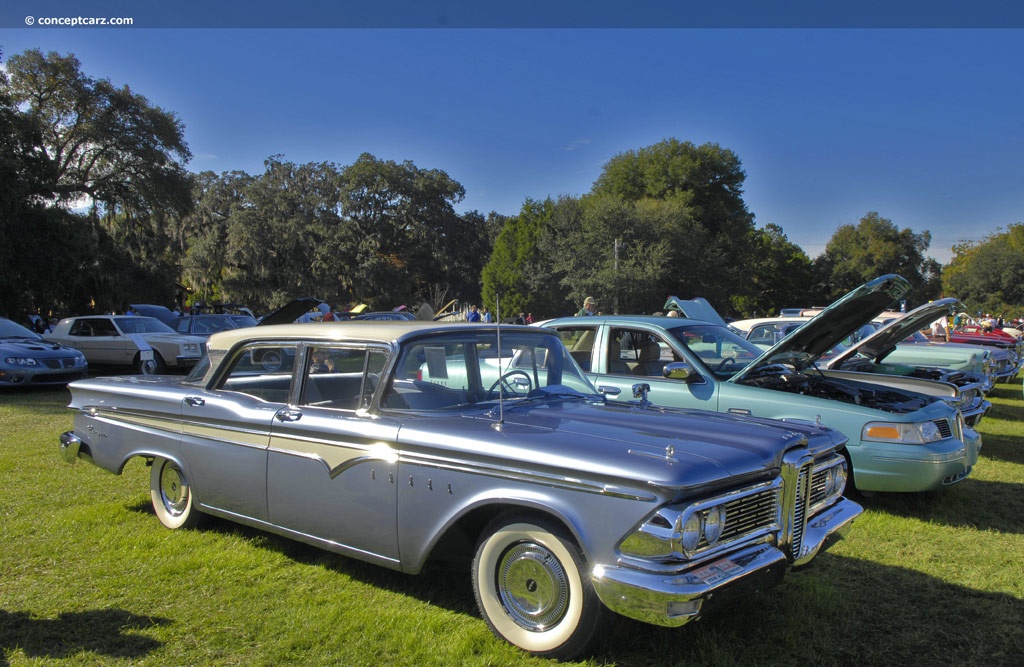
point(925, 126)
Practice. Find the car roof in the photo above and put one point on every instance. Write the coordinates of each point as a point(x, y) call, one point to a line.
point(378, 331)
point(747, 325)
point(626, 320)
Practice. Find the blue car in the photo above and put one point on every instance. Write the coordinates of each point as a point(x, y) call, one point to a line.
point(27, 359)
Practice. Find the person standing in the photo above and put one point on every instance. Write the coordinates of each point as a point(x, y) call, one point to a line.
point(473, 316)
point(589, 306)
point(486, 317)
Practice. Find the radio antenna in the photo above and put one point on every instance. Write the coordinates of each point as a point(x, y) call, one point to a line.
point(501, 385)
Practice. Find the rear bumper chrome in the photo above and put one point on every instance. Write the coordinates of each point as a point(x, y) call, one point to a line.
point(71, 448)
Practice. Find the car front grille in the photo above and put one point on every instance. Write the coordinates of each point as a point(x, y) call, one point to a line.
point(57, 364)
point(802, 501)
point(750, 514)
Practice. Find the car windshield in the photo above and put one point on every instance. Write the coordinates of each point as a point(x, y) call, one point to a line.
point(242, 321)
point(10, 329)
point(141, 325)
point(721, 350)
point(461, 368)
point(209, 324)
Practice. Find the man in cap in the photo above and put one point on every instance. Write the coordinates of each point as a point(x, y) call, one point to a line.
point(589, 304)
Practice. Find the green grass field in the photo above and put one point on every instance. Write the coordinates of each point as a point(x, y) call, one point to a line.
point(89, 577)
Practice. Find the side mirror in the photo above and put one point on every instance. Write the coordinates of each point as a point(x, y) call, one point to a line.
point(680, 370)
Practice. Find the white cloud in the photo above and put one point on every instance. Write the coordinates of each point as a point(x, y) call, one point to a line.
point(578, 143)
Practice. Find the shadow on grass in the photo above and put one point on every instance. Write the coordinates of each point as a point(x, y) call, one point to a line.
point(1005, 448)
point(973, 503)
point(441, 583)
point(45, 400)
point(105, 632)
point(840, 611)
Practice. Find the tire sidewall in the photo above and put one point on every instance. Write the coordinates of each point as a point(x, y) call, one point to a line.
point(186, 518)
point(154, 367)
point(563, 639)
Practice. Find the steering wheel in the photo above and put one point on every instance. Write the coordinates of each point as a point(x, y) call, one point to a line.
point(726, 363)
point(509, 387)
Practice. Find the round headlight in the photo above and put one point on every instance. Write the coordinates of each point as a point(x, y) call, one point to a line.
point(714, 524)
point(691, 532)
point(840, 479)
point(830, 482)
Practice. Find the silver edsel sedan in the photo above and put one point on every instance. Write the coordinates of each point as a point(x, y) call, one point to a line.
point(399, 442)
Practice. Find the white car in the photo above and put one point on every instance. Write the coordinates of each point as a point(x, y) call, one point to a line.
point(144, 344)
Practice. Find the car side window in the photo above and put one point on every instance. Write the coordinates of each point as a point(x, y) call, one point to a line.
point(580, 343)
point(80, 328)
point(343, 378)
point(636, 352)
point(262, 371)
point(764, 334)
point(103, 327)
point(431, 376)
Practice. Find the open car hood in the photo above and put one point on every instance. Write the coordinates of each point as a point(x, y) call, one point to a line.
point(879, 344)
point(805, 345)
point(695, 309)
point(161, 313)
point(291, 311)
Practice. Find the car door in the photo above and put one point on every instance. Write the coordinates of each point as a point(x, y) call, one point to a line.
point(332, 466)
point(226, 430)
point(624, 356)
point(99, 340)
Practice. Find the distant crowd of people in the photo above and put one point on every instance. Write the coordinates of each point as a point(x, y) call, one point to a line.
point(484, 316)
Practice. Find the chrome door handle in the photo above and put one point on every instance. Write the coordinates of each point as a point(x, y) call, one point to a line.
point(195, 401)
point(288, 415)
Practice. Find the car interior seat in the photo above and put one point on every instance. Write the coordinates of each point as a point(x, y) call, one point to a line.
point(649, 361)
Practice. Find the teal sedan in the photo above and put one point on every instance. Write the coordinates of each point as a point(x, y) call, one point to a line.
point(905, 434)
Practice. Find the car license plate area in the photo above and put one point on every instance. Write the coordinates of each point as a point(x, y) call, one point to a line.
point(716, 572)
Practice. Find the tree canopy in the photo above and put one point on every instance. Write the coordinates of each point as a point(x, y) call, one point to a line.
point(873, 247)
point(376, 232)
point(93, 180)
point(988, 276)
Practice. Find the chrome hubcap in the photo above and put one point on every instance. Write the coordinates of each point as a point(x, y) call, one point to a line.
point(533, 586)
point(173, 491)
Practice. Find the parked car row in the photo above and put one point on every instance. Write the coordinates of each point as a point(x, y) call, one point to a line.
point(566, 464)
point(879, 349)
point(395, 442)
point(905, 433)
point(142, 344)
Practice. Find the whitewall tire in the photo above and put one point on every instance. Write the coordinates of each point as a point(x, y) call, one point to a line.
point(171, 494)
point(533, 589)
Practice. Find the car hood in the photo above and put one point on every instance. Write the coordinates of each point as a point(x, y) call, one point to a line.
point(804, 346)
point(161, 313)
point(36, 347)
point(664, 447)
point(290, 311)
point(695, 309)
point(879, 344)
point(171, 337)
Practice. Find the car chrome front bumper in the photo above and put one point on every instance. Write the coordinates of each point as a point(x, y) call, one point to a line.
point(672, 600)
